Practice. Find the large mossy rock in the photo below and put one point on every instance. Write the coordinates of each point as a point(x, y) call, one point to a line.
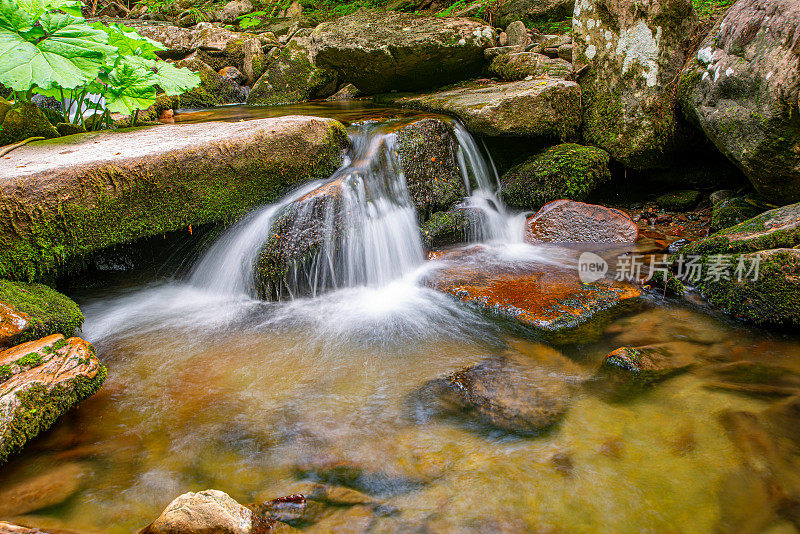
point(568, 170)
point(64, 199)
point(742, 90)
point(548, 108)
point(778, 228)
point(634, 54)
point(33, 311)
point(732, 211)
point(538, 299)
point(39, 381)
point(521, 65)
point(504, 12)
point(506, 392)
point(22, 121)
point(428, 152)
point(772, 298)
point(291, 76)
point(214, 89)
point(452, 227)
point(383, 51)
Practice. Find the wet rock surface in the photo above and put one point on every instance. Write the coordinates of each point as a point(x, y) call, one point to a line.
point(379, 52)
point(541, 299)
point(50, 488)
point(41, 380)
point(32, 311)
point(566, 171)
point(104, 188)
point(565, 221)
point(651, 363)
point(504, 392)
point(753, 378)
point(740, 88)
point(536, 108)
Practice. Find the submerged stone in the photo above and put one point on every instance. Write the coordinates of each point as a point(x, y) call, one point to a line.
point(49, 488)
point(104, 188)
point(566, 171)
point(504, 392)
point(33, 311)
point(754, 378)
point(651, 363)
point(382, 51)
point(565, 221)
point(537, 108)
point(39, 381)
point(539, 299)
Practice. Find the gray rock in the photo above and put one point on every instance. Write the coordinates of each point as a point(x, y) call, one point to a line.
point(519, 66)
point(634, 54)
point(234, 9)
point(741, 88)
point(518, 34)
point(383, 51)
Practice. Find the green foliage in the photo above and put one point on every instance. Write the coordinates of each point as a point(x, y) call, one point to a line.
point(709, 8)
point(460, 5)
point(46, 47)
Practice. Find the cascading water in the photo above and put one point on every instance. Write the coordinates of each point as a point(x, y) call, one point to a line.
point(367, 232)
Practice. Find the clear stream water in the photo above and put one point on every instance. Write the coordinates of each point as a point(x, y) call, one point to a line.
point(210, 388)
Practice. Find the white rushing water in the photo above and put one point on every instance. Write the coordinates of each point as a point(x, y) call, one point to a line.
point(378, 238)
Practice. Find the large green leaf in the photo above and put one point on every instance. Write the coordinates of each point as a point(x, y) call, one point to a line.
point(37, 8)
point(176, 80)
point(62, 51)
point(128, 42)
point(130, 87)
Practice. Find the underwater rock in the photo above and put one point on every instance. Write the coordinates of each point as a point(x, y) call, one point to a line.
point(51, 487)
point(741, 89)
point(211, 511)
point(364, 478)
point(566, 171)
point(33, 311)
point(756, 378)
point(111, 187)
point(382, 51)
point(539, 299)
point(503, 391)
point(427, 150)
point(41, 380)
point(634, 54)
point(291, 76)
point(537, 108)
point(519, 66)
point(566, 221)
point(651, 363)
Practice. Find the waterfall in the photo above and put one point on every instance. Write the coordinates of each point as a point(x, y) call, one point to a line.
point(362, 221)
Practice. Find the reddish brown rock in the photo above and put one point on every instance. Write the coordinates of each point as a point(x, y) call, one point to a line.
point(567, 221)
point(41, 380)
point(12, 324)
point(651, 363)
point(541, 298)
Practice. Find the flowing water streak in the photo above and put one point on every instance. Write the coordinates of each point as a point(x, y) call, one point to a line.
point(371, 233)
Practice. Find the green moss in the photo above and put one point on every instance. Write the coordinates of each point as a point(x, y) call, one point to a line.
point(25, 120)
point(49, 311)
point(120, 204)
point(445, 229)
point(679, 200)
point(40, 406)
point(568, 171)
point(733, 211)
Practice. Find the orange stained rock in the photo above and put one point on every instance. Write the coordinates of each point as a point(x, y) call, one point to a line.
point(568, 221)
point(12, 323)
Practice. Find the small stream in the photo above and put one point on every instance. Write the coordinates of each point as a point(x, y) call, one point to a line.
point(209, 387)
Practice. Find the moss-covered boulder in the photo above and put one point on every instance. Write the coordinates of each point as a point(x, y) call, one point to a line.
point(519, 66)
point(39, 381)
point(733, 211)
point(567, 170)
point(21, 121)
point(741, 89)
point(62, 199)
point(778, 228)
point(769, 296)
point(549, 109)
point(214, 89)
point(291, 76)
point(33, 311)
point(381, 51)
point(682, 200)
point(427, 150)
point(453, 227)
point(634, 53)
